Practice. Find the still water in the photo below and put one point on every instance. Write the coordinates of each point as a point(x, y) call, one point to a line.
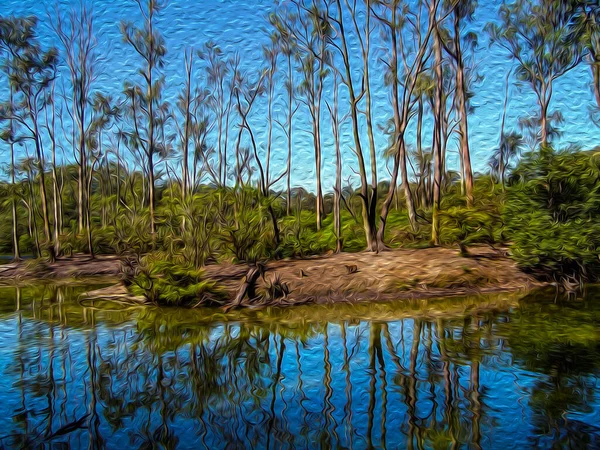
point(502, 371)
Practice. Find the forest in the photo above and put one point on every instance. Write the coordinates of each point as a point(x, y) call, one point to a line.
point(173, 177)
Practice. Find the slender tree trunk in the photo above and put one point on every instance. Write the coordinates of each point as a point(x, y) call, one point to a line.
point(437, 136)
point(186, 131)
point(15, 223)
point(461, 94)
point(42, 175)
point(502, 156)
point(368, 218)
point(32, 217)
point(88, 211)
point(424, 164)
point(151, 138)
point(337, 219)
point(80, 185)
point(596, 77)
point(544, 102)
point(55, 189)
point(371, 137)
point(290, 131)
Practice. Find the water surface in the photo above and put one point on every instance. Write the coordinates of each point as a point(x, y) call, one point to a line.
point(502, 371)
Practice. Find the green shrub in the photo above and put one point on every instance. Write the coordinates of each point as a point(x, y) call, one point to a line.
point(164, 282)
point(552, 214)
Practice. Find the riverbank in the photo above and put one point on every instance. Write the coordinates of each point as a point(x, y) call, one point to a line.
point(345, 277)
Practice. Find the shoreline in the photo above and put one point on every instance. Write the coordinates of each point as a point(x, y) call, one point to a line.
point(344, 277)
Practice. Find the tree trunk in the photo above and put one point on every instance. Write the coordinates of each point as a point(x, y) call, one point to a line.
point(15, 224)
point(367, 210)
point(290, 128)
point(43, 194)
point(595, 65)
point(461, 94)
point(437, 136)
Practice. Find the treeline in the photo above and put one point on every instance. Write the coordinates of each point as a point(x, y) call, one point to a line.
point(95, 171)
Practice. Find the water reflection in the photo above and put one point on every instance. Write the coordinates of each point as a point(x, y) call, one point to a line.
point(476, 373)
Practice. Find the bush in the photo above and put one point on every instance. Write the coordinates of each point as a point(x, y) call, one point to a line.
point(552, 214)
point(165, 282)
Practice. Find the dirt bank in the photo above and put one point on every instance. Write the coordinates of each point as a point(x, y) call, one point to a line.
point(79, 266)
point(401, 273)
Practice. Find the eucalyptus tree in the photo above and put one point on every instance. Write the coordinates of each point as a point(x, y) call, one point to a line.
point(290, 52)
point(50, 125)
point(184, 105)
point(306, 27)
point(336, 122)
point(105, 111)
point(28, 165)
point(409, 33)
point(536, 35)
point(220, 100)
point(8, 134)
point(586, 29)
point(333, 17)
point(510, 143)
point(271, 54)
point(438, 141)
point(246, 93)
point(31, 72)
point(145, 99)
point(77, 38)
point(462, 14)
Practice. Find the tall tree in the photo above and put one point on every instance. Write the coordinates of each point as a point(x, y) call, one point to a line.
point(536, 35)
point(185, 105)
point(334, 16)
point(438, 141)
point(462, 13)
point(310, 32)
point(145, 99)
point(219, 100)
point(8, 134)
point(76, 35)
point(409, 34)
point(586, 32)
point(290, 52)
point(32, 71)
point(336, 122)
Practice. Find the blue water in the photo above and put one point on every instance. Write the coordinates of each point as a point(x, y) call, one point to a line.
point(503, 371)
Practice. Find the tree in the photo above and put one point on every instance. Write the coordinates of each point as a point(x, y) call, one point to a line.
point(438, 141)
point(336, 121)
point(145, 99)
point(536, 35)
point(185, 105)
point(310, 34)
point(289, 50)
point(8, 134)
point(334, 17)
point(462, 11)
point(220, 101)
point(586, 32)
point(32, 71)
point(404, 72)
point(79, 44)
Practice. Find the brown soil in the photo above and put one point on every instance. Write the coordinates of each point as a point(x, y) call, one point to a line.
point(401, 273)
point(79, 266)
point(395, 274)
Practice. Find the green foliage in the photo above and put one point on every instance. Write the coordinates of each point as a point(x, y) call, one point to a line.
point(553, 214)
point(165, 282)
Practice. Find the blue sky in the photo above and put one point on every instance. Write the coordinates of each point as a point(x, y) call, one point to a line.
point(238, 25)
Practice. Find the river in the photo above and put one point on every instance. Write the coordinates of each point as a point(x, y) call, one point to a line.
point(498, 371)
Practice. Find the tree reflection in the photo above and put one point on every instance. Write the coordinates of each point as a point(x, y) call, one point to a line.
point(168, 377)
